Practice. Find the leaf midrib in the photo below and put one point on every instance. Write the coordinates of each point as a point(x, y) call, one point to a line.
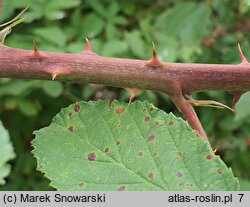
point(119, 163)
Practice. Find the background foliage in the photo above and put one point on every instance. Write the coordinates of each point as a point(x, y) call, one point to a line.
point(184, 31)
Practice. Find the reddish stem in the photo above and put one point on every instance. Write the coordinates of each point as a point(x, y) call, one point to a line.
point(175, 79)
point(187, 110)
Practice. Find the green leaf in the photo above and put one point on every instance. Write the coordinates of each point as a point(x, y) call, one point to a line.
point(137, 44)
point(98, 7)
point(112, 32)
point(147, 29)
point(28, 107)
point(247, 2)
point(6, 10)
point(50, 9)
point(113, 9)
point(20, 41)
point(6, 153)
point(128, 7)
point(92, 25)
point(53, 88)
point(114, 47)
point(120, 20)
point(195, 25)
point(242, 111)
point(187, 21)
point(53, 35)
point(116, 146)
point(54, 9)
point(18, 87)
point(166, 47)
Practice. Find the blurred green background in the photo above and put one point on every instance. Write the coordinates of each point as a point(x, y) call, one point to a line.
point(183, 30)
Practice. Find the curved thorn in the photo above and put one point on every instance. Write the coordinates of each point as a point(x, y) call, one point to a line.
point(154, 55)
point(154, 61)
point(87, 45)
point(35, 47)
point(242, 56)
point(132, 93)
point(237, 95)
point(36, 52)
point(215, 150)
point(54, 71)
point(53, 75)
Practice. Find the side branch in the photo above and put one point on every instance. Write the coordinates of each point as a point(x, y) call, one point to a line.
point(187, 110)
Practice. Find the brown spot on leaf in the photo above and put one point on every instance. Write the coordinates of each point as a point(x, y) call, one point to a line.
point(146, 118)
point(157, 123)
point(179, 174)
point(150, 176)
point(118, 123)
point(81, 184)
point(219, 170)
point(151, 109)
point(143, 110)
point(76, 107)
point(140, 154)
point(91, 156)
point(151, 137)
point(119, 110)
point(110, 102)
point(170, 123)
point(106, 150)
point(181, 185)
point(178, 154)
point(71, 129)
point(121, 188)
point(208, 157)
point(118, 143)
